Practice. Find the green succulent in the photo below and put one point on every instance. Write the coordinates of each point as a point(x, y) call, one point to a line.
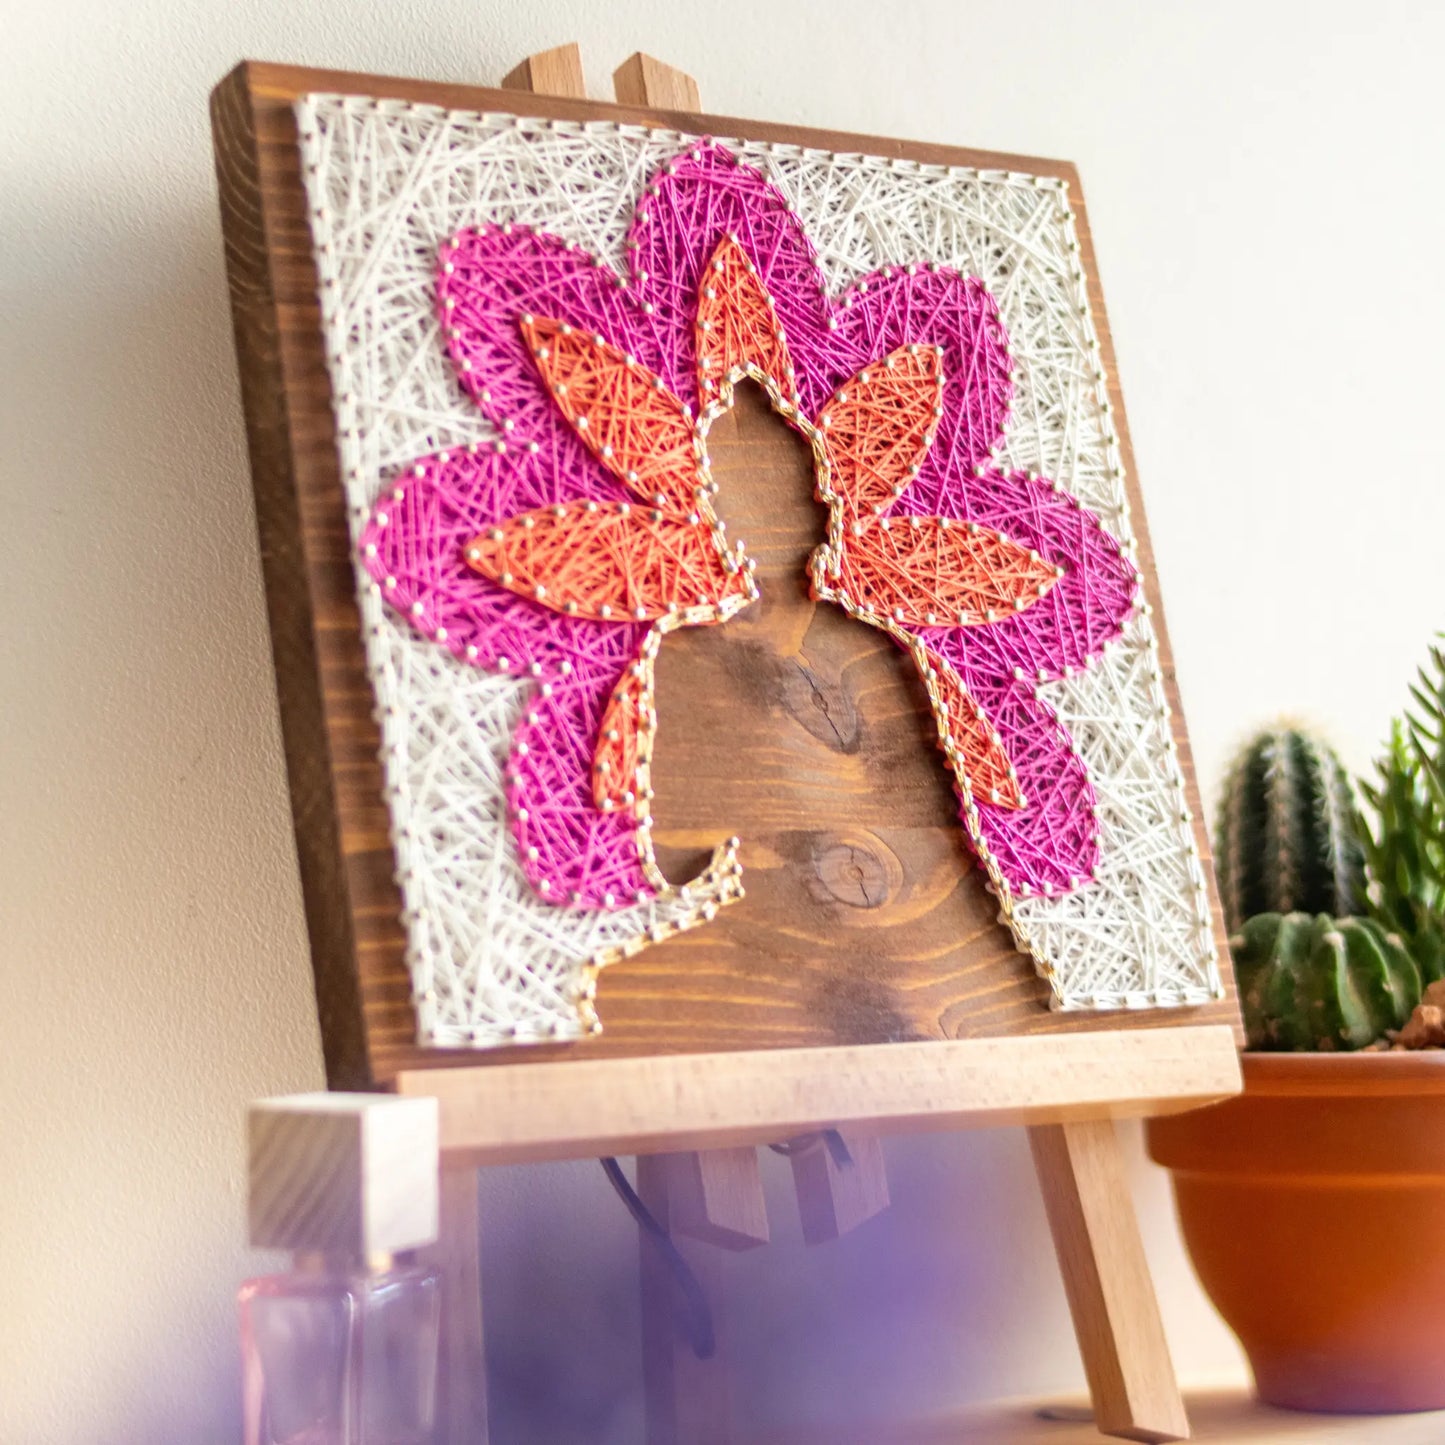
point(1405, 851)
point(1312, 982)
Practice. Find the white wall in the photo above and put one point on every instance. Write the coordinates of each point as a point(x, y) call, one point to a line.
point(1263, 181)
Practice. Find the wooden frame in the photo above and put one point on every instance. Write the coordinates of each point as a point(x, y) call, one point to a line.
point(961, 978)
point(1005, 1060)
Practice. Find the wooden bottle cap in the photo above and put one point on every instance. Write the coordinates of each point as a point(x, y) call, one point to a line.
point(352, 1174)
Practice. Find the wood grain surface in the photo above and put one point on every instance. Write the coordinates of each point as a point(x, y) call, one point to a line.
point(793, 727)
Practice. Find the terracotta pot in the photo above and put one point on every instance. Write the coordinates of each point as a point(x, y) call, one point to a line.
point(1314, 1210)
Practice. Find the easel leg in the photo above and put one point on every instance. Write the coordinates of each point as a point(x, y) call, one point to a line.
point(688, 1400)
point(1111, 1296)
point(716, 1197)
point(835, 1197)
point(462, 1364)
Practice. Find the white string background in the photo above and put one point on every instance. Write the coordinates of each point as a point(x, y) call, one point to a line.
point(387, 182)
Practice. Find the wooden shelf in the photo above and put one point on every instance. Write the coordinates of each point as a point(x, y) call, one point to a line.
point(1220, 1417)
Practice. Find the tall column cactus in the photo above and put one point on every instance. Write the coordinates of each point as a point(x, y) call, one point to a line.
point(1289, 831)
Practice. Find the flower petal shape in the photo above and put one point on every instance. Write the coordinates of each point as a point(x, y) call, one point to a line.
point(607, 561)
point(990, 776)
point(736, 325)
point(1051, 845)
point(623, 412)
point(1087, 606)
point(619, 740)
point(707, 193)
point(927, 571)
point(695, 201)
point(878, 428)
point(414, 545)
point(572, 852)
point(997, 579)
point(927, 305)
point(413, 548)
point(489, 278)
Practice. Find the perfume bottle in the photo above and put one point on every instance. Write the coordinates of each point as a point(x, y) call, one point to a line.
point(342, 1348)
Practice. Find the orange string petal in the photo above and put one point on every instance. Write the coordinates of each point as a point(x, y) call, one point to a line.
point(991, 777)
point(631, 423)
point(736, 323)
point(605, 561)
point(615, 761)
point(932, 572)
point(880, 425)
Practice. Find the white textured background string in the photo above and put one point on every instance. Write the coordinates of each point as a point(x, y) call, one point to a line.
point(387, 182)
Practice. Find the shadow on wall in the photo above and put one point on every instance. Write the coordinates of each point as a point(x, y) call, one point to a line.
point(156, 883)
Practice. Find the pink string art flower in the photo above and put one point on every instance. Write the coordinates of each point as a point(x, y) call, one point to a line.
point(571, 545)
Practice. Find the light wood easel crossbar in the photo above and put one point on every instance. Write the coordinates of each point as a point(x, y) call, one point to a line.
point(532, 1112)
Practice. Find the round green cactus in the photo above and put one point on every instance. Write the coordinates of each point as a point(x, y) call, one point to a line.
point(1312, 982)
point(1290, 839)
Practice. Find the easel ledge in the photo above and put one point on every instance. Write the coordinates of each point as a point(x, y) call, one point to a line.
point(528, 1113)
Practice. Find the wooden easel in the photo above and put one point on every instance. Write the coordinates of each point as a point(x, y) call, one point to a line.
point(695, 1120)
point(714, 1195)
point(1067, 1089)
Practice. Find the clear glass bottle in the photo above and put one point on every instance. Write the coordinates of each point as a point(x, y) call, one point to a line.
point(341, 1353)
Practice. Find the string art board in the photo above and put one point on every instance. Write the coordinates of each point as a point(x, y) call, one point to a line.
point(710, 593)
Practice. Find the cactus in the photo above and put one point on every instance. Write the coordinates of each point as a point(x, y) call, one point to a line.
point(1316, 982)
point(1406, 851)
point(1290, 836)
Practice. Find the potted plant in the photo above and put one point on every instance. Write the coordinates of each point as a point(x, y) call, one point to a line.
point(1313, 1203)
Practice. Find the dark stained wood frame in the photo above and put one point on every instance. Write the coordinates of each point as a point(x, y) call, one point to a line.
point(353, 905)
